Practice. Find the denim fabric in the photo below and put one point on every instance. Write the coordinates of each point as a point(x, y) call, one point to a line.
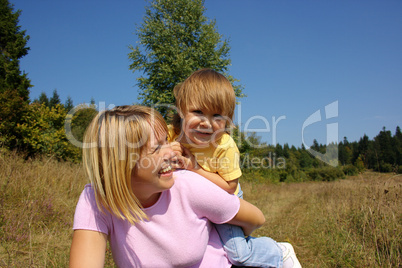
point(248, 251)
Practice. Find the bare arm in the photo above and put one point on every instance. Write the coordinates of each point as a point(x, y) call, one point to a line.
point(228, 186)
point(88, 249)
point(186, 160)
point(249, 217)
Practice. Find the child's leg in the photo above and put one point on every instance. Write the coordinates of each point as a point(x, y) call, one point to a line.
point(250, 251)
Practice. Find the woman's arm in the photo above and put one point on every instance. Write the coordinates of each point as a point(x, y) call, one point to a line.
point(88, 249)
point(249, 217)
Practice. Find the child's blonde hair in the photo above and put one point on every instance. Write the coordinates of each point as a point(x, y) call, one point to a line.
point(113, 143)
point(204, 89)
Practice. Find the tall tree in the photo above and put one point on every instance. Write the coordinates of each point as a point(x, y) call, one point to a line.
point(14, 85)
point(398, 145)
point(175, 40)
point(43, 99)
point(363, 149)
point(55, 99)
point(68, 105)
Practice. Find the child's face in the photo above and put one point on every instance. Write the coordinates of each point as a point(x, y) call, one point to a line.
point(202, 126)
point(153, 172)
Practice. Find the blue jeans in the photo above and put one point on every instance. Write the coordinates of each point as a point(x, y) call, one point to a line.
point(248, 251)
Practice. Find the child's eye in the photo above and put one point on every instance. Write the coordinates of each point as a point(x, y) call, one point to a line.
point(197, 111)
point(218, 117)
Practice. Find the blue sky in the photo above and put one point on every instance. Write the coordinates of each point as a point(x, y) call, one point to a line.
point(310, 69)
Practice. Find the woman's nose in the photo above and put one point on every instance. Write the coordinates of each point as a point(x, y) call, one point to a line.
point(168, 152)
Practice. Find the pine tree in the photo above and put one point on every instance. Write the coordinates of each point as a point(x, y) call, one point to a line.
point(384, 148)
point(69, 104)
point(14, 86)
point(43, 99)
point(398, 145)
point(54, 100)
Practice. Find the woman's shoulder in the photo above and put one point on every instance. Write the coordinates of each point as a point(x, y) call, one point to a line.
point(190, 183)
point(88, 190)
point(88, 195)
point(191, 180)
point(185, 177)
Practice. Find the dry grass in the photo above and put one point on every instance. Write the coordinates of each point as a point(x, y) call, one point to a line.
point(347, 223)
point(37, 200)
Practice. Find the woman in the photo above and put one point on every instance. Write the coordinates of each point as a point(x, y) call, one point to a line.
point(151, 216)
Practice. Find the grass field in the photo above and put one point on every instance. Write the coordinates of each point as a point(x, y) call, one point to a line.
point(354, 222)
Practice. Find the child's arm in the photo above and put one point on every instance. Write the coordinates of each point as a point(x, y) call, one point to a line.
point(228, 186)
point(186, 160)
point(248, 218)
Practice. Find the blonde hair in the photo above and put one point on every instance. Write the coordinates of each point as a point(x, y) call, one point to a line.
point(204, 89)
point(113, 143)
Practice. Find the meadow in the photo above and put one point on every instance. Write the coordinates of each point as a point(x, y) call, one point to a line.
point(353, 222)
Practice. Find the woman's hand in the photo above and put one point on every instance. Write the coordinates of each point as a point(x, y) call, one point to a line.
point(184, 159)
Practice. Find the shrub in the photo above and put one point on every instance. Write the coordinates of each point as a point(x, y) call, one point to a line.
point(325, 174)
point(350, 170)
point(386, 167)
point(43, 133)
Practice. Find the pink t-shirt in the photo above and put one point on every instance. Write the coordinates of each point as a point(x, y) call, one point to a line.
point(179, 232)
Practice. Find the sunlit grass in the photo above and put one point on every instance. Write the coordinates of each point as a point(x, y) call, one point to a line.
point(354, 222)
point(346, 223)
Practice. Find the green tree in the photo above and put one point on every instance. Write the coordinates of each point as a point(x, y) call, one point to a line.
point(363, 149)
point(43, 99)
point(14, 85)
point(54, 100)
point(384, 146)
point(69, 104)
point(398, 134)
point(398, 145)
point(360, 164)
point(305, 159)
point(81, 120)
point(175, 40)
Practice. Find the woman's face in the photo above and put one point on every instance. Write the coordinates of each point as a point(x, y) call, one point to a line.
point(153, 172)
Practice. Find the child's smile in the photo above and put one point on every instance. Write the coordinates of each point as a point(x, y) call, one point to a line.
point(202, 126)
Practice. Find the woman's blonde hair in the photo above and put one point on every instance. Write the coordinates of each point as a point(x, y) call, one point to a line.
point(113, 143)
point(204, 89)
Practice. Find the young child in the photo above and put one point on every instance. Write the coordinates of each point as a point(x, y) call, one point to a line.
point(205, 103)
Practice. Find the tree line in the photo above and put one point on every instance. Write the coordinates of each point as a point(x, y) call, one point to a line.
point(284, 163)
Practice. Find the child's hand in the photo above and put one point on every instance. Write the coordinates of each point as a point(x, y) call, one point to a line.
point(184, 159)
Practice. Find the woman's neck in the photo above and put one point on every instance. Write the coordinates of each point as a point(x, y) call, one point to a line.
point(149, 201)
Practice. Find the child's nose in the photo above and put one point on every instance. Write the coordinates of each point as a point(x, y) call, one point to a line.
point(206, 122)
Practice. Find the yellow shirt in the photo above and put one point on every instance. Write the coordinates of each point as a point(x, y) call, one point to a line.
point(222, 158)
